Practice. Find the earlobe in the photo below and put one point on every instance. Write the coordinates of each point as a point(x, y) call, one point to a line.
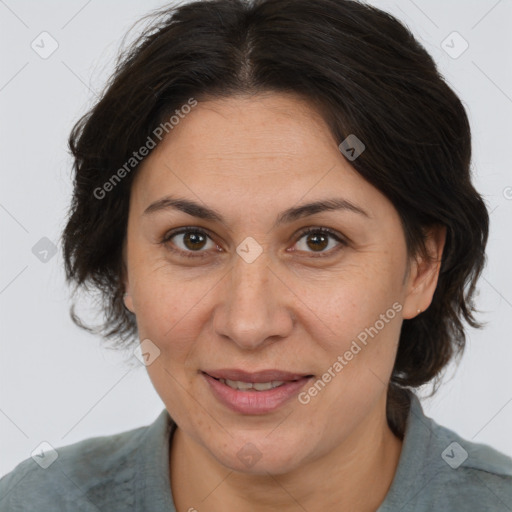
point(127, 298)
point(128, 302)
point(424, 274)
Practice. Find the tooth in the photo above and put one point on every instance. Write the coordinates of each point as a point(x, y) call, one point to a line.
point(243, 386)
point(257, 386)
point(262, 386)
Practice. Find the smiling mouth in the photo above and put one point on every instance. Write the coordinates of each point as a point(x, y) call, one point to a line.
point(254, 393)
point(258, 381)
point(252, 386)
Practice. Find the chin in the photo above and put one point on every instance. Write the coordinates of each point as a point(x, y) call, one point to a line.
point(261, 457)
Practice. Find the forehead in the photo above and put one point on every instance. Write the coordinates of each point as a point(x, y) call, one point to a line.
point(259, 149)
point(259, 137)
point(248, 128)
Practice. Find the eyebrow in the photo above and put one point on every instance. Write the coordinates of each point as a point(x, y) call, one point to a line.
point(291, 214)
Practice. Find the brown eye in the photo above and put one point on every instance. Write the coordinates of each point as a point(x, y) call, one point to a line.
point(194, 241)
point(318, 240)
point(188, 241)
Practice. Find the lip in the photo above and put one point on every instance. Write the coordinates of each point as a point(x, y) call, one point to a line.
point(261, 376)
point(255, 402)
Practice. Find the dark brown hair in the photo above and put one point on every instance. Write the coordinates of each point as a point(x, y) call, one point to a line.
point(365, 73)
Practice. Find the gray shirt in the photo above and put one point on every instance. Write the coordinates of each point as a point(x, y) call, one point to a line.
point(437, 471)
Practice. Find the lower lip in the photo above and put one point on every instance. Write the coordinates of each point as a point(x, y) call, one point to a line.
point(255, 402)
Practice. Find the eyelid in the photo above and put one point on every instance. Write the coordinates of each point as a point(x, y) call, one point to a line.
point(185, 229)
point(320, 229)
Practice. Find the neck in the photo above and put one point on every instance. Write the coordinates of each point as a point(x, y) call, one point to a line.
point(354, 476)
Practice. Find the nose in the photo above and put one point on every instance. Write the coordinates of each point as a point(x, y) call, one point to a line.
point(252, 308)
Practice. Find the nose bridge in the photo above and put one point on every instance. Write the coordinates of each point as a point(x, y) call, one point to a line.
point(252, 308)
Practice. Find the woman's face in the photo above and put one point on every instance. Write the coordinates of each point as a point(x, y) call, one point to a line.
point(245, 289)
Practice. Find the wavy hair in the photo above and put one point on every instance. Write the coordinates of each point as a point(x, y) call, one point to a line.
point(365, 73)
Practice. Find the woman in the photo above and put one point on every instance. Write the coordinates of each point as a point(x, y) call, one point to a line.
point(275, 198)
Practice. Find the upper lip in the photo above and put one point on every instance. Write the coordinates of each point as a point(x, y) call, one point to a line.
point(261, 376)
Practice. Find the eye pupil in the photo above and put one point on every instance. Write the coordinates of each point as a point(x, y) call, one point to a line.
point(317, 244)
point(194, 240)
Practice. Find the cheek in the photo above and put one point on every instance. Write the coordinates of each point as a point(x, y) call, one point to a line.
point(166, 306)
point(353, 300)
point(360, 322)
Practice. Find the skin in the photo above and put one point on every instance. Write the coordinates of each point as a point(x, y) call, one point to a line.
point(250, 158)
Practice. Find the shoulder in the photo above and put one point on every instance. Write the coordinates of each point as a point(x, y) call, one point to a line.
point(439, 468)
point(473, 472)
point(73, 477)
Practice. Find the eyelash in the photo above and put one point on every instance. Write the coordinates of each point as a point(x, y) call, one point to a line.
point(201, 254)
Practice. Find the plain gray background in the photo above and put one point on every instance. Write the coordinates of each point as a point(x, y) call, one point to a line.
point(56, 382)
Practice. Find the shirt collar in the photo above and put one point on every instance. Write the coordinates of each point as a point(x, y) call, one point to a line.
point(416, 459)
point(153, 486)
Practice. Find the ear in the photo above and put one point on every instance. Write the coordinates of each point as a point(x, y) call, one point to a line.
point(127, 297)
point(128, 301)
point(423, 273)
